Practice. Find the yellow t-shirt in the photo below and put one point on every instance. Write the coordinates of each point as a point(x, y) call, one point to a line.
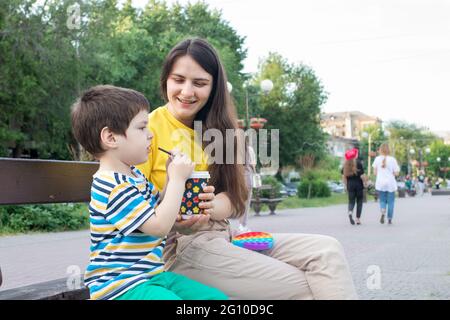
point(169, 133)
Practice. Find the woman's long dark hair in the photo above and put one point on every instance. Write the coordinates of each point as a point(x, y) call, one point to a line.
point(219, 113)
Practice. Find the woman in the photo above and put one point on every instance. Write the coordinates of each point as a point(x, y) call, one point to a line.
point(299, 266)
point(352, 175)
point(386, 169)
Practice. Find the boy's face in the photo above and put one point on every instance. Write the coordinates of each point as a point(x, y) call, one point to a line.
point(135, 146)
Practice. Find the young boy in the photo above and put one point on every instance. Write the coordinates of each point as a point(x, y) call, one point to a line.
point(128, 217)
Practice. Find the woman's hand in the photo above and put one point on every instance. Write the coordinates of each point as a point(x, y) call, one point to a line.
point(198, 222)
point(207, 205)
point(195, 223)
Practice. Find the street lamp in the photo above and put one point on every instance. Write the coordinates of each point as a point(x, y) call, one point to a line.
point(367, 135)
point(229, 87)
point(266, 86)
point(427, 151)
point(438, 159)
point(411, 152)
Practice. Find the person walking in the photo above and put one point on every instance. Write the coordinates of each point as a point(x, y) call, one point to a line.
point(386, 169)
point(352, 176)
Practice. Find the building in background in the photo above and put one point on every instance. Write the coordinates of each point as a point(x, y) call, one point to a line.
point(345, 129)
point(348, 125)
point(445, 135)
point(338, 145)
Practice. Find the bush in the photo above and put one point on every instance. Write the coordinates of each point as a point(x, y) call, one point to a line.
point(315, 189)
point(276, 186)
point(48, 217)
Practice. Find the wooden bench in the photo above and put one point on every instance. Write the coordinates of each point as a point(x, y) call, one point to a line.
point(45, 181)
point(257, 201)
point(440, 192)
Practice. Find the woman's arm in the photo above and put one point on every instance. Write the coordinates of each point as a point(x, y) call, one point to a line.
point(221, 207)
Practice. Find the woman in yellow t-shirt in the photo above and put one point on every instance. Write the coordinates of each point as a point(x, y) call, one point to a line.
point(299, 266)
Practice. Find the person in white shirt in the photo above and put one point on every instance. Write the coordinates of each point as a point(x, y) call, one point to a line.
point(386, 169)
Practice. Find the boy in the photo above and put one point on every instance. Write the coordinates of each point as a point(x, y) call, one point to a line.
point(128, 217)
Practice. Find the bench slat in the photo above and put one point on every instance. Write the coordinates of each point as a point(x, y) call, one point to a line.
point(28, 181)
point(49, 290)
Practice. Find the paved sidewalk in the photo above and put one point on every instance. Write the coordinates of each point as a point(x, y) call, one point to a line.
point(407, 260)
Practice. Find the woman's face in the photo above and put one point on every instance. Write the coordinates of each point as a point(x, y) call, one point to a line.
point(188, 89)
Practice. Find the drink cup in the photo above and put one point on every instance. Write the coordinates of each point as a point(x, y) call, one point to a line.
point(193, 187)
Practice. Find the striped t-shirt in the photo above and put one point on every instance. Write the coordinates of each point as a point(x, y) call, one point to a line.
point(121, 256)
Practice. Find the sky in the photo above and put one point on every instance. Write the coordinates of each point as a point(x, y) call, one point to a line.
point(385, 58)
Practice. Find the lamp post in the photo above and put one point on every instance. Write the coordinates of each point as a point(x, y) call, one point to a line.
point(446, 170)
point(427, 151)
point(410, 153)
point(367, 135)
point(438, 159)
point(266, 86)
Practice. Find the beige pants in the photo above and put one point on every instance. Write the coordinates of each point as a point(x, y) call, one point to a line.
point(299, 266)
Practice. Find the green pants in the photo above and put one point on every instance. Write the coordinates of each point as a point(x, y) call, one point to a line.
point(172, 286)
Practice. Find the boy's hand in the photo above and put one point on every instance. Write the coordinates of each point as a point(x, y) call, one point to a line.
point(174, 151)
point(180, 167)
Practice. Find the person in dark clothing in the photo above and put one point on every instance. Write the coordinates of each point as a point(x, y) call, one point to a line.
point(353, 177)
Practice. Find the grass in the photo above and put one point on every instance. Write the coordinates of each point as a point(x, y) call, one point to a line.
point(52, 218)
point(295, 202)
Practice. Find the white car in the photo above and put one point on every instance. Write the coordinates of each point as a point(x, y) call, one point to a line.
point(337, 187)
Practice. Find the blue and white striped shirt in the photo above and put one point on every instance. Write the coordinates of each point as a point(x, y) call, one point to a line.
point(121, 256)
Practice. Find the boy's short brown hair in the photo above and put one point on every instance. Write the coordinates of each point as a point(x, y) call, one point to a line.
point(104, 106)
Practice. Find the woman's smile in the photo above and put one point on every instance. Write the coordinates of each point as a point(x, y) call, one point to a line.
point(186, 103)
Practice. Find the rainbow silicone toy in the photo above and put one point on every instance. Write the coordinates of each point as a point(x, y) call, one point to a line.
point(254, 241)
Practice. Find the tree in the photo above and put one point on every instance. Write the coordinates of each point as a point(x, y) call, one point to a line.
point(377, 137)
point(406, 136)
point(37, 58)
point(45, 64)
point(442, 151)
point(295, 99)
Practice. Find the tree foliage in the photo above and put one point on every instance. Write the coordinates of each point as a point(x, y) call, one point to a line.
point(292, 106)
point(46, 63)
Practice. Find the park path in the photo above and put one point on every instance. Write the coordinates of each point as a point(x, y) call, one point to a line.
point(407, 260)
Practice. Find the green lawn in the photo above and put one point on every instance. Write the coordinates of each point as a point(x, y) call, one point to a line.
point(26, 219)
point(296, 202)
